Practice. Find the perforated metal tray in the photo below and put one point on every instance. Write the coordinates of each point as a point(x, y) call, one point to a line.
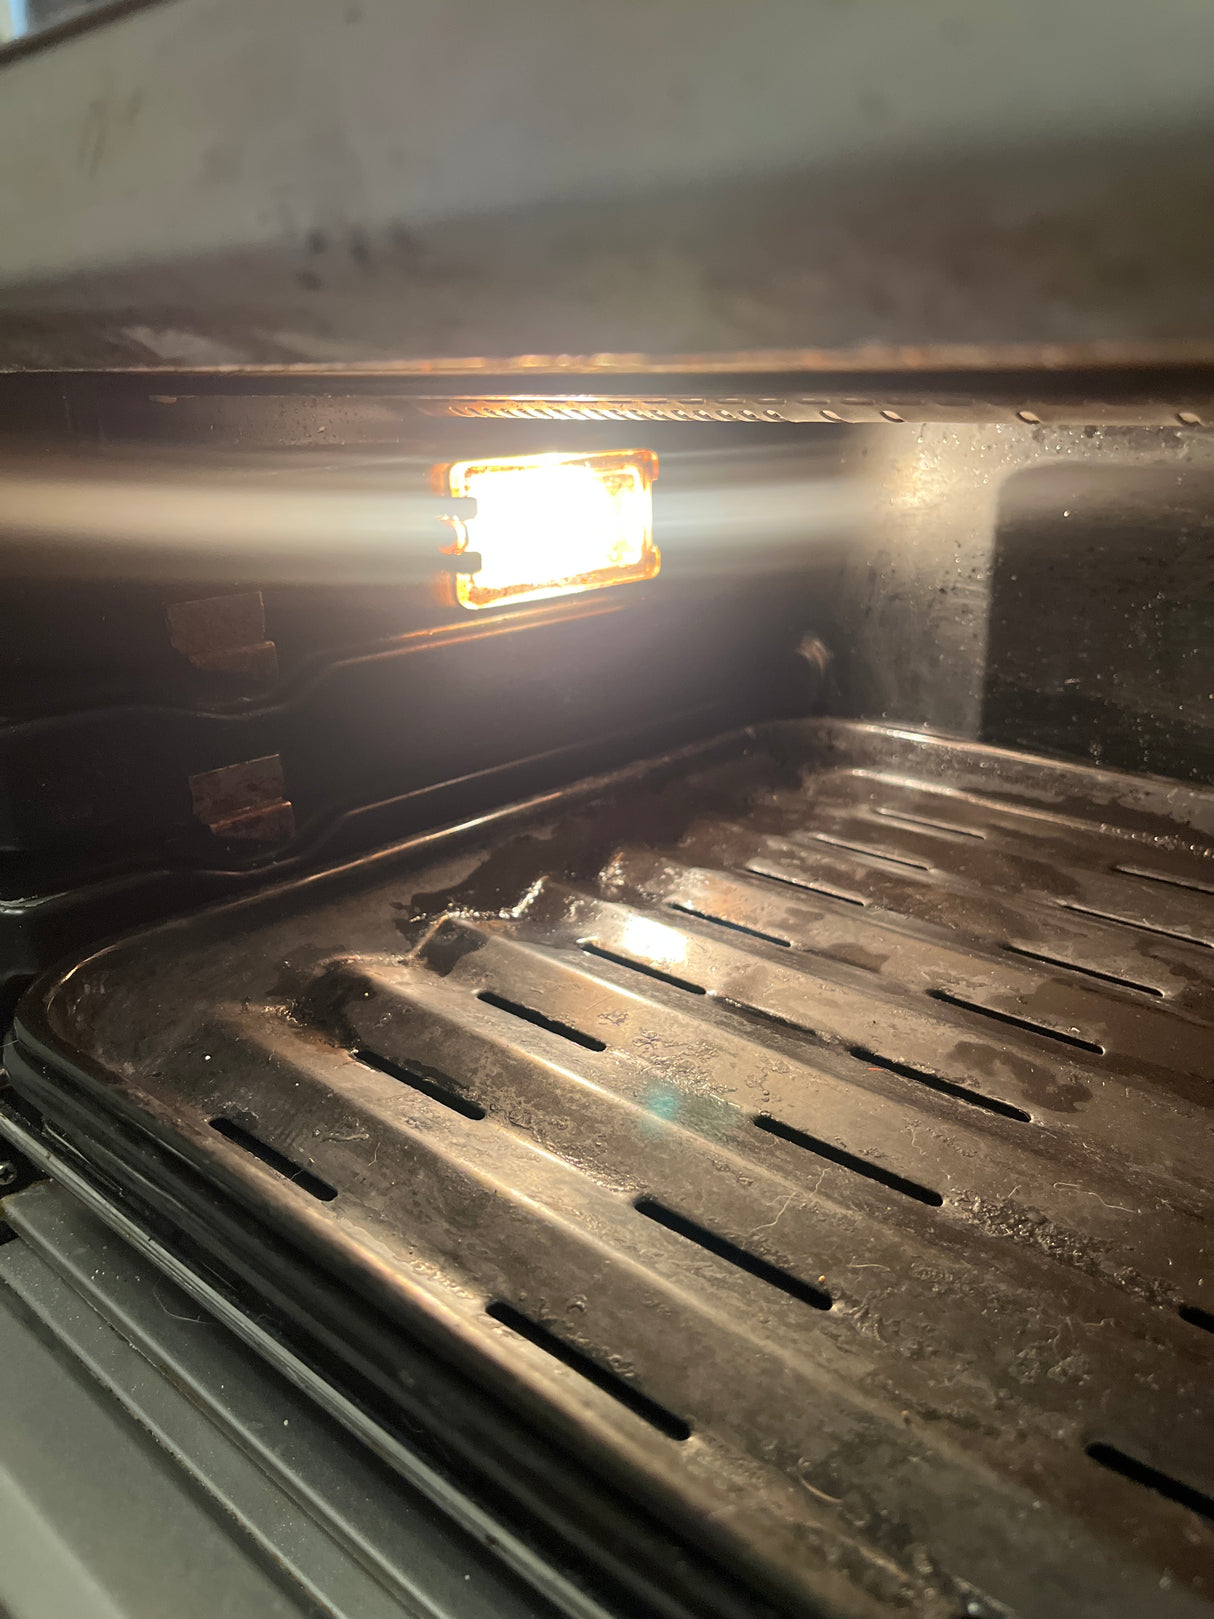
point(808, 1137)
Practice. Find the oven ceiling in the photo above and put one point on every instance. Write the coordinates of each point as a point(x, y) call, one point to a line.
point(450, 184)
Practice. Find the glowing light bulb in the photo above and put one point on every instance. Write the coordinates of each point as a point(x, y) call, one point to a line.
point(553, 525)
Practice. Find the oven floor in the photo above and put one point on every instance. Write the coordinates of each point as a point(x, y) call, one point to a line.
point(809, 1138)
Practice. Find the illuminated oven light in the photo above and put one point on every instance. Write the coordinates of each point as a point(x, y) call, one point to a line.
point(553, 525)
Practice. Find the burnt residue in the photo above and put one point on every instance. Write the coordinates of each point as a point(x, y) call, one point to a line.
point(581, 845)
point(1035, 1083)
point(304, 974)
point(321, 1001)
point(446, 945)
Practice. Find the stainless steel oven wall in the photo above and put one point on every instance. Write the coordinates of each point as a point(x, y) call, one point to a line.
point(1047, 587)
point(395, 182)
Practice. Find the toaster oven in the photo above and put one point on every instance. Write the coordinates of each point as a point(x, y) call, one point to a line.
point(606, 816)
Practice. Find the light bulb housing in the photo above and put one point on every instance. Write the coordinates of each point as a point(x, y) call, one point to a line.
point(553, 525)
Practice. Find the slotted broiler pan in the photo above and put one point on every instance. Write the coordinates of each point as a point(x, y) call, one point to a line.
point(785, 1166)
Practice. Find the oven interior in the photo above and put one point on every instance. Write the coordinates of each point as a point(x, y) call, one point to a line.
point(710, 1073)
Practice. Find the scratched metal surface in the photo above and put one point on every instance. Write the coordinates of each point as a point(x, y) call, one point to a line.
point(813, 1140)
